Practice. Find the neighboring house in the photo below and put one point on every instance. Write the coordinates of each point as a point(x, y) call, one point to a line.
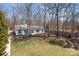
point(28, 29)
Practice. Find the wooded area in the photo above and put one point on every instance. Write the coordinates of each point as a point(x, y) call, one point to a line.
point(52, 16)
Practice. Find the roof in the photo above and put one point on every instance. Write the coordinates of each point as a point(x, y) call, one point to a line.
point(37, 27)
point(17, 27)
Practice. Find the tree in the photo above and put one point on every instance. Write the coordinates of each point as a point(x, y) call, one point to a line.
point(66, 17)
point(73, 18)
point(58, 7)
point(3, 33)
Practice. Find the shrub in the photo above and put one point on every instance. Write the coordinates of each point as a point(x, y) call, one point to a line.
point(3, 33)
point(64, 43)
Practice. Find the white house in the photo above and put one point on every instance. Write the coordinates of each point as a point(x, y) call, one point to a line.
point(28, 29)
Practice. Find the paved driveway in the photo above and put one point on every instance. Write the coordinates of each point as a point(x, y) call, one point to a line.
point(8, 49)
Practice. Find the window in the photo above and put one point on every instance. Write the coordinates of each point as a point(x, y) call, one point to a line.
point(32, 31)
point(19, 31)
point(37, 30)
point(42, 30)
point(25, 31)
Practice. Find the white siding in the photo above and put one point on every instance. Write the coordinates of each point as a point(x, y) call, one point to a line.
point(34, 32)
point(24, 27)
point(23, 33)
point(16, 32)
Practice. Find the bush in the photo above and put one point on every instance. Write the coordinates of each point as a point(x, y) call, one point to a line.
point(3, 33)
point(64, 43)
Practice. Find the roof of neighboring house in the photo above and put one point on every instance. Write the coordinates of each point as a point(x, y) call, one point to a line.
point(17, 27)
point(37, 27)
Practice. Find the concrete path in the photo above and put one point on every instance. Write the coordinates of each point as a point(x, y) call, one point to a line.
point(8, 49)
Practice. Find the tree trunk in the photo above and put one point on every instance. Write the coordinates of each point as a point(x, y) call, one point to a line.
point(57, 24)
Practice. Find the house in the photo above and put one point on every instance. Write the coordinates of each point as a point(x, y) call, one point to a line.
point(28, 29)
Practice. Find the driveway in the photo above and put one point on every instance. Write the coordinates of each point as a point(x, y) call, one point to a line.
point(8, 49)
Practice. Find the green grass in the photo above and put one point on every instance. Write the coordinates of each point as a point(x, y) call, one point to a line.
point(37, 47)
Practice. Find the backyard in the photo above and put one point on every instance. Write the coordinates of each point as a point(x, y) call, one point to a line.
point(39, 47)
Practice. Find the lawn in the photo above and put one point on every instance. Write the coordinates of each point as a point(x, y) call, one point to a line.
point(39, 47)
